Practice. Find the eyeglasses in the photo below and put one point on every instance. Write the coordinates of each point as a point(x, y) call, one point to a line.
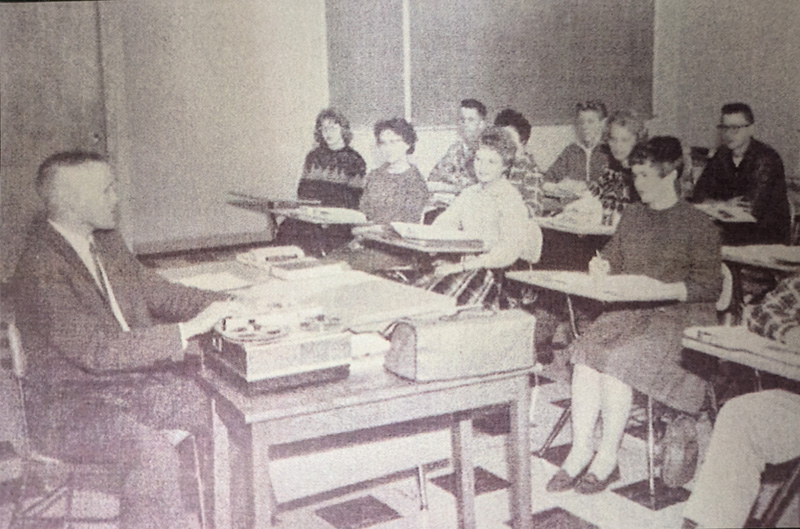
point(734, 128)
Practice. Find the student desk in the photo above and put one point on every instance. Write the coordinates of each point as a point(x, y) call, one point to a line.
point(570, 245)
point(611, 288)
point(776, 258)
point(369, 398)
point(575, 228)
point(428, 247)
point(727, 211)
point(738, 344)
point(322, 218)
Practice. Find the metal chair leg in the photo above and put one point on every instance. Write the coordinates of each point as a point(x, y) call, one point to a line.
point(651, 452)
point(560, 423)
point(423, 488)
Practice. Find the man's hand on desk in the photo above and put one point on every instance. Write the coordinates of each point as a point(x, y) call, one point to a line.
point(208, 317)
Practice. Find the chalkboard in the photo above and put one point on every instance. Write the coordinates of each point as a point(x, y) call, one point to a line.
point(537, 56)
point(365, 58)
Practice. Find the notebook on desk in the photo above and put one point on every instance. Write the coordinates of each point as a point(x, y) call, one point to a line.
point(434, 236)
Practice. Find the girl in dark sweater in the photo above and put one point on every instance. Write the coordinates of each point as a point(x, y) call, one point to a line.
point(639, 345)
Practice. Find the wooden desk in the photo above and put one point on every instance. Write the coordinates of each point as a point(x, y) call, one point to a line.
point(370, 398)
point(361, 301)
point(737, 344)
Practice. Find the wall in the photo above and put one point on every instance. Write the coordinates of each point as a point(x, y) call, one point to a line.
point(206, 97)
point(50, 101)
point(709, 53)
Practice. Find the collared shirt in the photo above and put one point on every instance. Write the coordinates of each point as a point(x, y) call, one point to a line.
point(456, 166)
point(779, 312)
point(525, 176)
point(82, 246)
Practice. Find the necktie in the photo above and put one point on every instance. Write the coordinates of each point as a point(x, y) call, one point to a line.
point(99, 276)
point(105, 287)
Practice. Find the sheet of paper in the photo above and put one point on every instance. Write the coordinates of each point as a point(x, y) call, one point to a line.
point(217, 282)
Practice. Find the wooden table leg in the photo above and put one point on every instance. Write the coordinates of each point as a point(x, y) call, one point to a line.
point(264, 503)
point(464, 472)
point(240, 488)
point(519, 457)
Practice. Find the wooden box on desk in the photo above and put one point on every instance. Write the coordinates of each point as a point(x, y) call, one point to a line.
point(273, 358)
point(470, 343)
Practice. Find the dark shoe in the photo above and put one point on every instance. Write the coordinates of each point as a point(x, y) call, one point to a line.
point(591, 484)
point(562, 481)
point(688, 524)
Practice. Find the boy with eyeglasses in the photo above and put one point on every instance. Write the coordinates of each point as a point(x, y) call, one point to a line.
point(749, 170)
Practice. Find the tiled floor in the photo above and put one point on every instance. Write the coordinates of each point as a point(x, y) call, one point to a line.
point(388, 495)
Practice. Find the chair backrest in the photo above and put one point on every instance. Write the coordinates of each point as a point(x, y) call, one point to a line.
point(794, 226)
point(532, 245)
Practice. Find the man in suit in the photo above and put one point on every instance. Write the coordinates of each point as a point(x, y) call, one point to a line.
point(747, 169)
point(105, 341)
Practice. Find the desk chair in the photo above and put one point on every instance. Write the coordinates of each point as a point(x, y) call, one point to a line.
point(65, 490)
point(722, 306)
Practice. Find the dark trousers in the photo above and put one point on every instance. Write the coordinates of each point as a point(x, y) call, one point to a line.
point(126, 426)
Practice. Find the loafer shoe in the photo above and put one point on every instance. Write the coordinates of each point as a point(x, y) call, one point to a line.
point(591, 484)
point(562, 481)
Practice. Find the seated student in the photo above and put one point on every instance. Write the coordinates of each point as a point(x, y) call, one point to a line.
point(333, 174)
point(454, 171)
point(746, 168)
point(491, 210)
point(751, 430)
point(395, 191)
point(639, 345)
point(615, 187)
point(608, 195)
point(524, 173)
point(334, 171)
point(104, 340)
point(586, 159)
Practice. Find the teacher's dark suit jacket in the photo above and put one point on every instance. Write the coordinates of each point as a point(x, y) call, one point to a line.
point(75, 348)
